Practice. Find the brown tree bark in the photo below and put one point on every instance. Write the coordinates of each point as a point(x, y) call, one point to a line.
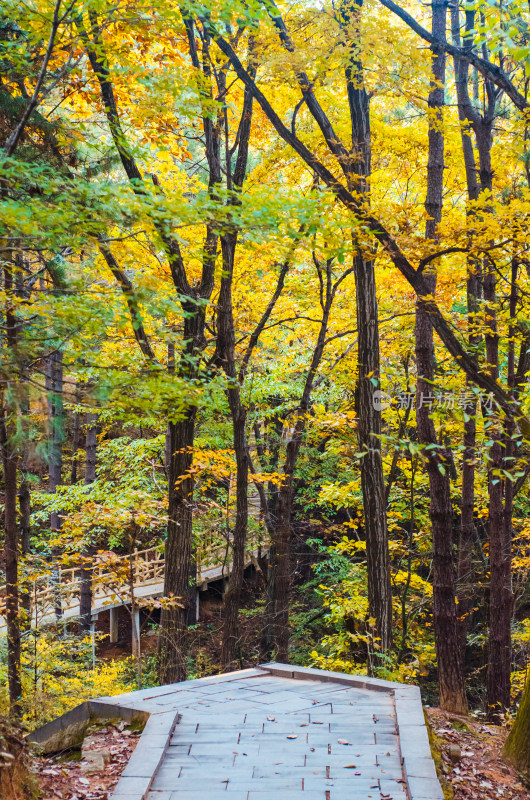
point(500, 503)
point(85, 596)
point(226, 357)
point(54, 388)
point(281, 525)
point(500, 598)
point(226, 350)
point(517, 748)
point(177, 560)
point(11, 553)
point(448, 651)
point(371, 464)
point(75, 438)
point(368, 354)
point(467, 115)
point(11, 540)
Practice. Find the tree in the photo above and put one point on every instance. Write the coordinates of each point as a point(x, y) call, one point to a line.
point(449, 655)
point(517, 747)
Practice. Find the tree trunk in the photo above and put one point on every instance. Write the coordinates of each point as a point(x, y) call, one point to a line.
point(75, 439)
point(465, 583)
point(500, 599)
point(24, 493)
point(8, 429)
point(85, 596)
point(232, 598)
point(226, 353)
point(281, 525)
point(368, 356)
point(178, 552)
point(517, 747)
point(446, 632)
point(9, 458)
point(54, 388)
point(371, 464)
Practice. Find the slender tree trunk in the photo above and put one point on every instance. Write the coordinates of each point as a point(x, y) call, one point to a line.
point(446, 632)
point(178, 550)
point(180, 568)
point(282, 540)
point(11, 544)
point(24, 508)
point(91, 442)
point(281, 526)
point(75, 445)
point(9, 458)
point(232, 598)
point(465, 572)
point(226, 350)
point(24, 493)
point(54, 387)
point(368, 356)
point(24, 504)
point(371, 465)
point(500, 606)
point(226, 354)
point(85, 596)
point(269, 454)
point(136, 644)
point(465, 581)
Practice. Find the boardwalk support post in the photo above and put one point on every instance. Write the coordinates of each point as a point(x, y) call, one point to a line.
point(113, 625)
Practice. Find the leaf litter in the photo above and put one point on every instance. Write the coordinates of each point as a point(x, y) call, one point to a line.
point(61, 779)
point(481, 773)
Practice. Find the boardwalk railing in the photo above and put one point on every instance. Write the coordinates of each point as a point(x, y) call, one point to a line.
point(62, 587)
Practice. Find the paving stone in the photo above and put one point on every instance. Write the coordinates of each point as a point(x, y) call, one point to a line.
point(143, 763)
point(131, 788)
point(208, 795)
point(158, 795)
point(425, 787)
point(258, 794)
point(420, 768)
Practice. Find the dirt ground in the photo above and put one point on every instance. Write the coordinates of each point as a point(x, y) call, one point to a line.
point(480, 773)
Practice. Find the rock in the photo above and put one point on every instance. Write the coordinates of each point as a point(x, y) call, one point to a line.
point(95, 760)
point(89, 744)
point(94, 757)
point(454, 752)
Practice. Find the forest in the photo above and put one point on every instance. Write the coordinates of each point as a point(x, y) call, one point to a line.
point(264, 296)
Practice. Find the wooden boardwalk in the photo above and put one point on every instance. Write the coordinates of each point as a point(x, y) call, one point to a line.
point(278, 731)
point(110, 593)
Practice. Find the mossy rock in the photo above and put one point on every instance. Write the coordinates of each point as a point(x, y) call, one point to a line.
point(68, 731)
point(459, 725)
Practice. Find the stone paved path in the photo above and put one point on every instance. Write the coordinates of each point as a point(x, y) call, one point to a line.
point(284, 738)
point(276, 731)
